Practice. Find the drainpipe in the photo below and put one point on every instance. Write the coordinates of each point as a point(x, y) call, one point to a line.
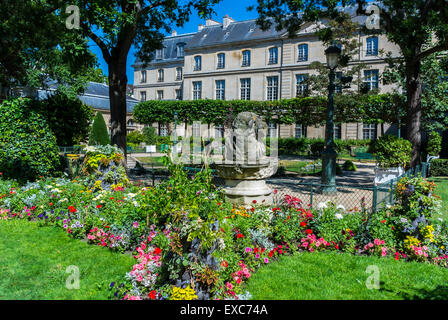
point(281, 81)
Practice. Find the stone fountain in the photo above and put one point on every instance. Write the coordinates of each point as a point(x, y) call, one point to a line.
point(246, 167)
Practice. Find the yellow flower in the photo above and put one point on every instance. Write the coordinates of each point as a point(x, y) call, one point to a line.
point(183, 294)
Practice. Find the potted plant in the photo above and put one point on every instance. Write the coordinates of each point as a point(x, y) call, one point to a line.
point(393, 154)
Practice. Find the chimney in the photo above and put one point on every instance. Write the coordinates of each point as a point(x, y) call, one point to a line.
point(173, 33)
point(226, 21)
point(200, 27)
point(210, 22)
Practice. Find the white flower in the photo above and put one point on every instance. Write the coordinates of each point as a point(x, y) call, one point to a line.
point(135, 203)
point(340, 207)
point(322, 205)
point(338, 216)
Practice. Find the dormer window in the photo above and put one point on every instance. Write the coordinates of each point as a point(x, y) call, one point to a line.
point(159, 54)
point(180, 50)
point(221, 61)
point(303, 53)
point(197, 63)
point(273, 55)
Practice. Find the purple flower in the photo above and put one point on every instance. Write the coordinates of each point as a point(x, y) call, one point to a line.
point(135, 224)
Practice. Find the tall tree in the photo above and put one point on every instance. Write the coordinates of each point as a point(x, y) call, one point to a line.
point(117, 25)
point(36, 47)
point(407, 23)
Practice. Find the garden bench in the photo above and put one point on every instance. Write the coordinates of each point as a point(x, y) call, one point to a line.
point(364, 156)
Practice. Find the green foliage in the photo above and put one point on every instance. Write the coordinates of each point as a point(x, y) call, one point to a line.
point(439, 167)
point(28, 148)
point(391, 151)
point(135, 137)
point(150, 135)
point(98, 133)
point(68, 117)
point(305, 110)
point(434, 145)
point(349, 166)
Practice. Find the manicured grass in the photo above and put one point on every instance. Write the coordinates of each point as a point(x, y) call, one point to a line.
point(316, 276)
point(33, 262)
point(298, 166)
point(156, 161)
point(442, 191)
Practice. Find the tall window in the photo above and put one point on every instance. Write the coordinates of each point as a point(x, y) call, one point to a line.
point(272, 130)
point(159, 94)
point(245, 89)
point(196, 129)
point(338, 87)
point(300, 131)
point(163, 129)
point(220, 89)
point(372, 46)
point(338, 131)
point(369, 131)
point(197, 90)
point(197, 63)
point(301, 86)
point(160, 75)
point(303, 52)
point(246, 58)
point(371, 79)
point(179, 73)
point(273, 55)
point(272, 88)
point(219, 131)
point(143, 96)
point(180, 49)
point(178, 94)
point(143, 77)
point(221, 61)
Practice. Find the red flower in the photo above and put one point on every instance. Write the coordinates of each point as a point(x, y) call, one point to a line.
point(224, 264)
point(51, 203)
point(98, 206)
point(308, 231)
point(219, 203)
point(239, 235)
point(111, 198)
point(252, 209)
point(303, 224)
point(254, 201)
point(157, 251)
point(152, 295)
point(72, 209)
point(383, 221)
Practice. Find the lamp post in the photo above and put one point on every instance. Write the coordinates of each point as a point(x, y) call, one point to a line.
point(175, 133)
point(329, 154)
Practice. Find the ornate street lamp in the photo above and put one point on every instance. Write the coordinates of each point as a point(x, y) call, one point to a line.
point(329, 154)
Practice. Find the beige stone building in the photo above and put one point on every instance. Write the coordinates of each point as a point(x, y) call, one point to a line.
point(237, 60)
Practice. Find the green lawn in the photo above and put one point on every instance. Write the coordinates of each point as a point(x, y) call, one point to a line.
point(156, 161)
point(442, 191)
point(316, 276)
point(33, 262)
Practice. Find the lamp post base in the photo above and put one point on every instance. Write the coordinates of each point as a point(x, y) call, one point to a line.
point(328, 180)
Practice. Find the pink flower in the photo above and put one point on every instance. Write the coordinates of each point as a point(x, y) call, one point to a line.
point(266, 260)
point(229, 286)
point(377, 242)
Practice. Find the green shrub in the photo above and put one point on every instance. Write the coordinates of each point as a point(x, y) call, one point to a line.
point(98, 134)
point(349, 166)
point(135, 137)
point(439, 167)
point(392, 151)
point(28, 147)
point(434, 144)
point(68, 117)
point(150, 135)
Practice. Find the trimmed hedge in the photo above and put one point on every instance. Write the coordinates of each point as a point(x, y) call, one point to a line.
point(439, 167)
point(28, 147)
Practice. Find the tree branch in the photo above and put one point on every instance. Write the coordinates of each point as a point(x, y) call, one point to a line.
point(97, 40)
point(426, 53)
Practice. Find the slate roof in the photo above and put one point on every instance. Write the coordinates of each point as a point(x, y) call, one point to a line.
point(95, 95)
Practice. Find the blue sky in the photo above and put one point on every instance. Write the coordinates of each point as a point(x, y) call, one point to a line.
point(234, 8)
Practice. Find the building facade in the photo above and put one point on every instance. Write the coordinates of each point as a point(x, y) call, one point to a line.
point(234, 60)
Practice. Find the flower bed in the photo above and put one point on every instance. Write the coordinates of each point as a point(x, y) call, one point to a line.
point(190, 244)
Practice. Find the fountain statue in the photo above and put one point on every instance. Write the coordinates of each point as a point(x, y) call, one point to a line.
point(246, 166)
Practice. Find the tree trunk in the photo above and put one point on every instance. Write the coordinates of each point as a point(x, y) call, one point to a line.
point(414, 110)
point(117, 95)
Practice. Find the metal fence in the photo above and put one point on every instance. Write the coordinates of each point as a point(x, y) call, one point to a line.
point(350, 196)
